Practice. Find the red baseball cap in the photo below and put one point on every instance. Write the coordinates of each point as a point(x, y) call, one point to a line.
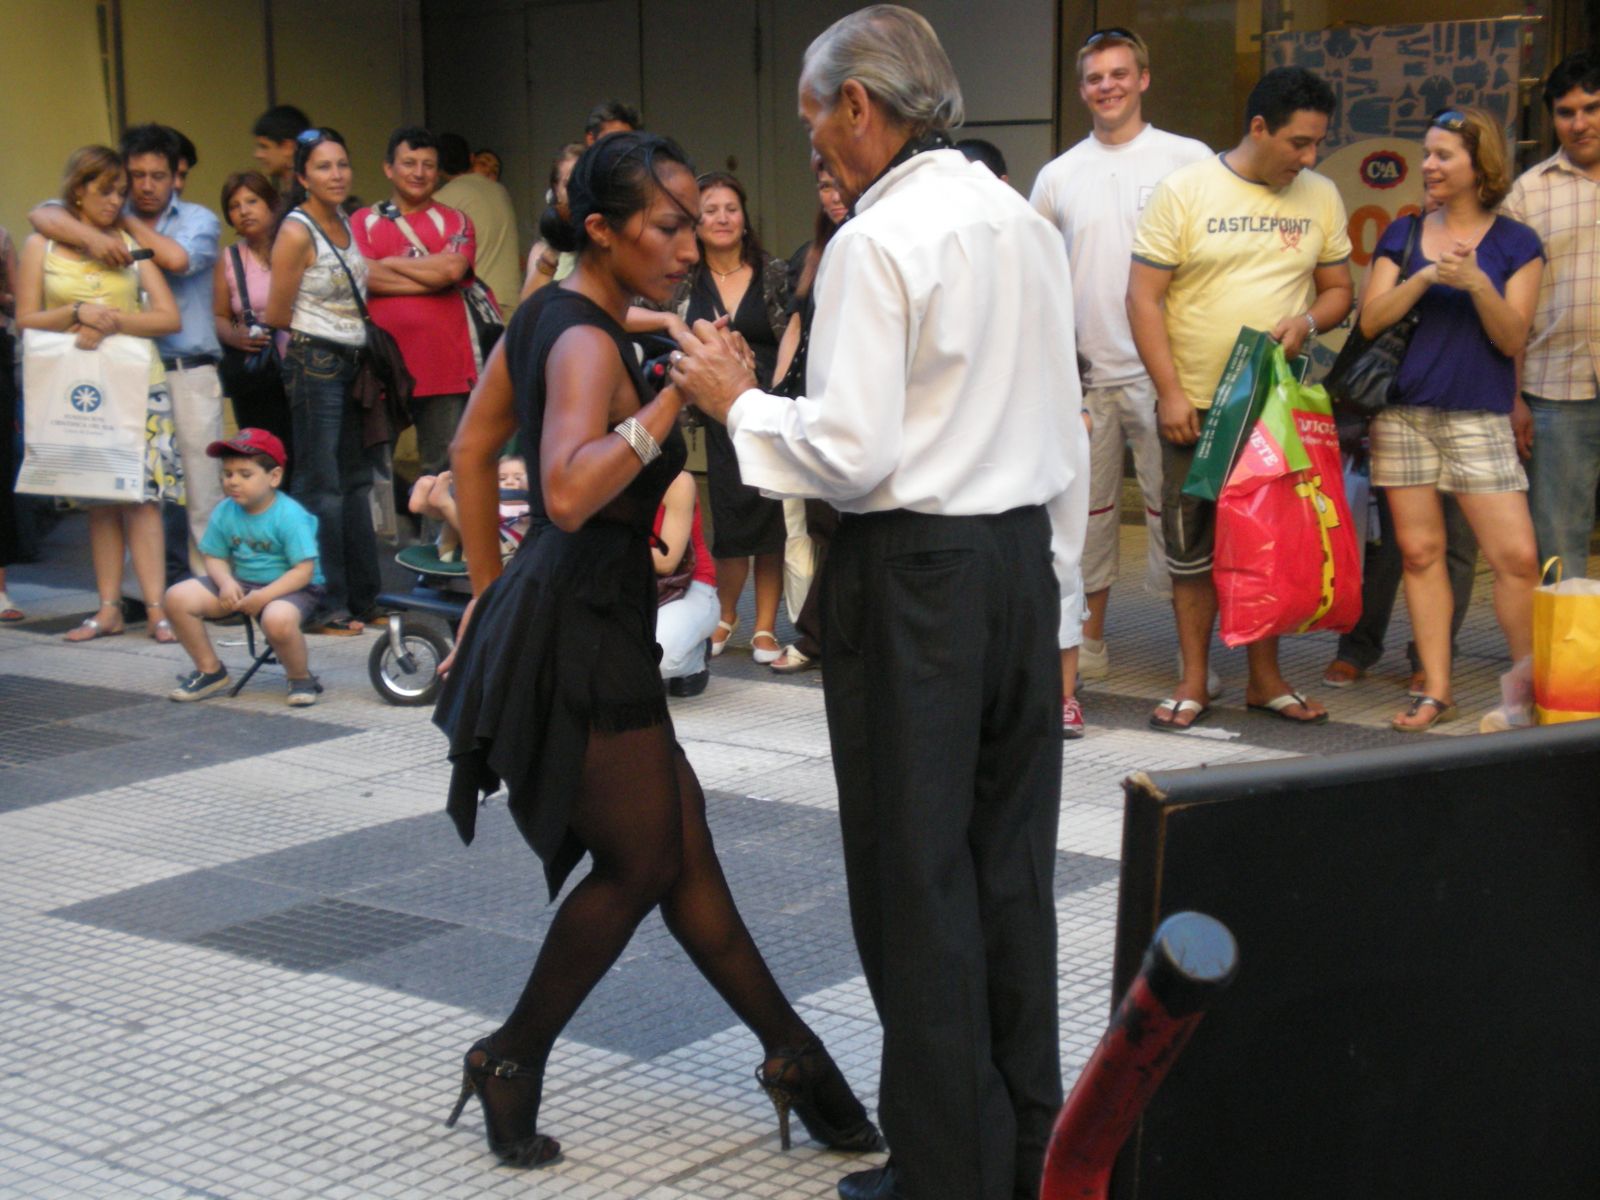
point(251, 441)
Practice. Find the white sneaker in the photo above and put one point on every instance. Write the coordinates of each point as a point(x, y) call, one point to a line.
point(1516, 701)
point(1093, 661)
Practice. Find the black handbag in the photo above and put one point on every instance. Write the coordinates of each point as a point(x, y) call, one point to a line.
point(1363, 378)
point(242, 372)
point(383, 384)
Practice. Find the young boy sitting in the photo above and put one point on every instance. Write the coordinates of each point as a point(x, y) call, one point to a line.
point(261, 560)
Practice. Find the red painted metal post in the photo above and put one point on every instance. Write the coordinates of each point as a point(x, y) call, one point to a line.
point(1190, 960)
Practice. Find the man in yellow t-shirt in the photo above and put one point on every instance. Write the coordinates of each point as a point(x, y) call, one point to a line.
point(1253, 238)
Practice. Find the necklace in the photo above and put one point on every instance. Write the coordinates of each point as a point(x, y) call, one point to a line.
point(725, 274)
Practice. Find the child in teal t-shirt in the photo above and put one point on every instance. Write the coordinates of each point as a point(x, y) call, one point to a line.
point(260, 549)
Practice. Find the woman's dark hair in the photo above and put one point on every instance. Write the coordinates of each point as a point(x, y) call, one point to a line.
point(750, 251)
point(251, 181)
point(1284, 91)
point(307, 141)
point(1580, 70)
point(614, 178)
point(821, 235)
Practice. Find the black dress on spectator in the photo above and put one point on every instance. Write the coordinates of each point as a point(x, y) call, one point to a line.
point(743, 521)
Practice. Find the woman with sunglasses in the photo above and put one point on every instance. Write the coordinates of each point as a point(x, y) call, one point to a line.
point(1473, 280)
point(555, 689)
point(319, 284)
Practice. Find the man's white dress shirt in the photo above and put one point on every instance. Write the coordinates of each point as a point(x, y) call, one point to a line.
point(942, 376)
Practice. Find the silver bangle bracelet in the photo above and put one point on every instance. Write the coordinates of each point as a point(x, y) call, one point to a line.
point(637, 436)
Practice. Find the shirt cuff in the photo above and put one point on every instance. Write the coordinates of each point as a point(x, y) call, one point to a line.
point(740, 410)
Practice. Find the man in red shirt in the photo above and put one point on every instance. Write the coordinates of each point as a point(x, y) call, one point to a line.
point(418, 254)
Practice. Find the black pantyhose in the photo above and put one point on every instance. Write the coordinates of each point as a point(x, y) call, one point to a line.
point(642, 817)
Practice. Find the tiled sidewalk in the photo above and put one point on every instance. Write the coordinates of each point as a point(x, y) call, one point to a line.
point(241, 950)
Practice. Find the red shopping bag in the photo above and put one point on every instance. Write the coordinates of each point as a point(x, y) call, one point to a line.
point(1287, 559)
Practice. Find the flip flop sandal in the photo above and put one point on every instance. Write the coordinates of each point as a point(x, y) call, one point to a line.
point(1278, 704)
point(161, 633)
point(1441, 712)
point(1177, 708)
point(96, 631)
point(726, 629)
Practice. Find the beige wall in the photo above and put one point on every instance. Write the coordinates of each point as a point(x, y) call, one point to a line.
point(201, 65)
point(52, 101)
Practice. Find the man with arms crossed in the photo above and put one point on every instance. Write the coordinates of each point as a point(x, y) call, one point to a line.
point(1252, 238)
point(1560, 200)
point(418, 251)
point(1094, 193)
point(940, 605)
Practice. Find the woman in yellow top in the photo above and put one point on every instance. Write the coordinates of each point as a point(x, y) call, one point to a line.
point(60, 290)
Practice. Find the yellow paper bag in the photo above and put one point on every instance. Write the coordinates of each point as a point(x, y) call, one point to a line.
point(1566, 650)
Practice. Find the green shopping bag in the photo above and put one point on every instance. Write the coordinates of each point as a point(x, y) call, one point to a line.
point(1235, 409)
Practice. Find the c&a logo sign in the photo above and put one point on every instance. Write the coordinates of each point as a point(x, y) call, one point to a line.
point(1383, 169)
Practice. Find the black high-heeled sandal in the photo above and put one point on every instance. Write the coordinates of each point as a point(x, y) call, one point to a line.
point(807, 1080)
point(525, 1151)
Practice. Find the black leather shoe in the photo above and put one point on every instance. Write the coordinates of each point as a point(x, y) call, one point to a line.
point(689, 685)
point(880, 1183)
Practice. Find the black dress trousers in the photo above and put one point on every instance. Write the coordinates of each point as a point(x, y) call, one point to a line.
point(943, 690)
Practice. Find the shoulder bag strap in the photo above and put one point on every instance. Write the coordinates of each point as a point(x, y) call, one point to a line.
point(1412, 239)
point(244, 288)
point(361, 305)
point(410, 233)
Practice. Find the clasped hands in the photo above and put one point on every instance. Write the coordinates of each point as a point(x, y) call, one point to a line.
point(713, 367)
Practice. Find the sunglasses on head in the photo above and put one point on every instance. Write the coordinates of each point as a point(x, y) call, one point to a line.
point(1110, 31)
point(309, 137)
point(1449, 120)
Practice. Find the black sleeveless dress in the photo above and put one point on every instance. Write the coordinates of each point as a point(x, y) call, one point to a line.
point(564, 641)
point(743, 521)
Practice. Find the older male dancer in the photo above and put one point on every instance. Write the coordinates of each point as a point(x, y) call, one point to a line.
point(941, 418)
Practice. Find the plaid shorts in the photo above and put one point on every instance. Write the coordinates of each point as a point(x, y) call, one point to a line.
point(1456, 451)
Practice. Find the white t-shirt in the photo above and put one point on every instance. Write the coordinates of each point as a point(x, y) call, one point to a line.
point(1094, 194)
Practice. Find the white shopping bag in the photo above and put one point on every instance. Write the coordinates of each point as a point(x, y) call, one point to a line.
point(84, 414)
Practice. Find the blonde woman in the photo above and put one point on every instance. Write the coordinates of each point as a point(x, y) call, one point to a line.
point(1474, 278)
point(61, 290)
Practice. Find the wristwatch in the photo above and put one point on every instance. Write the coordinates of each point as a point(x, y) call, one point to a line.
point(77, 305)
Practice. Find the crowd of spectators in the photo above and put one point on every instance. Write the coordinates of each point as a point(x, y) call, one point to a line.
point(1497, 396)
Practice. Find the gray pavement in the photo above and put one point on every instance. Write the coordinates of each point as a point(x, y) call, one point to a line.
point(242, 951)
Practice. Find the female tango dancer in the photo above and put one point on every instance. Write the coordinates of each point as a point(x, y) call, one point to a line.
point(554, 689)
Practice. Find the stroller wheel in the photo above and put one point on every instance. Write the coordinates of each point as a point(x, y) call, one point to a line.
point(407, 675)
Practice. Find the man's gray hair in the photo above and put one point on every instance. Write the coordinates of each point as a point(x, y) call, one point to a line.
point(894, 54)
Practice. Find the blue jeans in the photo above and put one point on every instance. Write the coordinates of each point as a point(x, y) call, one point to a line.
point(1562, 478)
point(333, 477)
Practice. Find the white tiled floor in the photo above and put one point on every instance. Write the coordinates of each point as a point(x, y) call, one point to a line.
point(136, 1068)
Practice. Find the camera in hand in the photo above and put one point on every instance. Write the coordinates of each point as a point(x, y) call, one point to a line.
point(141, 254)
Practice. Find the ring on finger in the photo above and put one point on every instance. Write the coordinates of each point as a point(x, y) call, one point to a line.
point(675, 357)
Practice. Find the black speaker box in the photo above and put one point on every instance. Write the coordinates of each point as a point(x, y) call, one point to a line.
point(1419, 966)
